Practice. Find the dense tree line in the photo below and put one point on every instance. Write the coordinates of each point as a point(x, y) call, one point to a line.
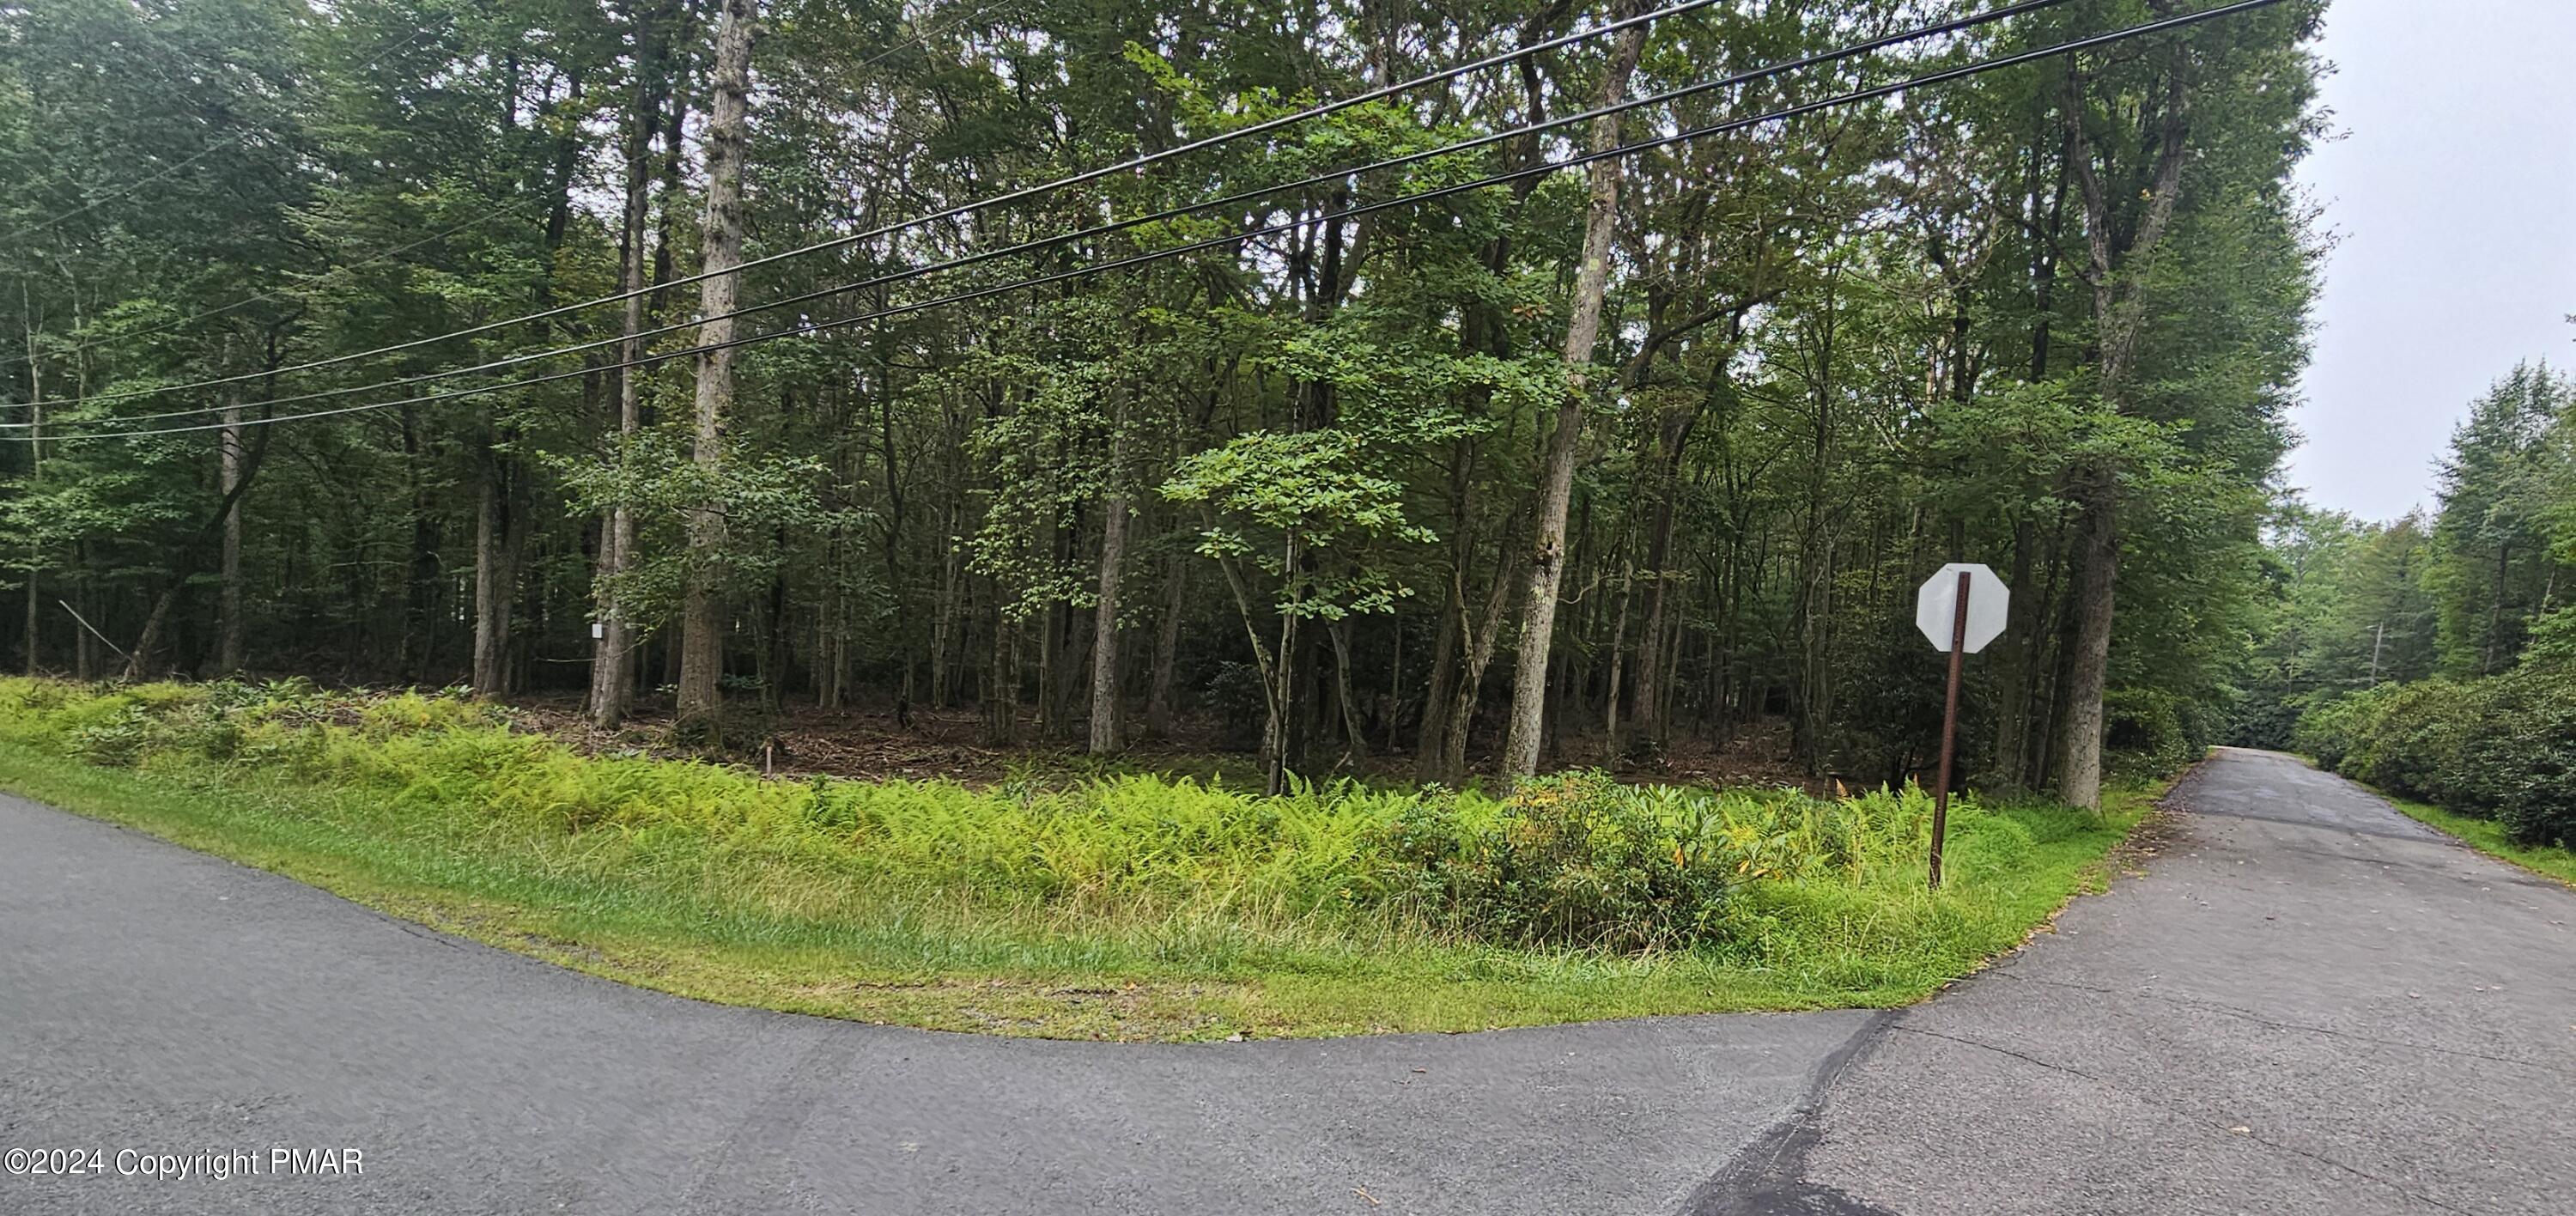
point(1678, 432)
point(2483, 583)
point(2436, 655)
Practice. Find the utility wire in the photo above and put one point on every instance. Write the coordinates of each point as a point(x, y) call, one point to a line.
point(1255, 194)
point(840, 242)
point(1535, 171)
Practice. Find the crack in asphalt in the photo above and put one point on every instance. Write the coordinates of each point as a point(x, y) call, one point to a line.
point(1767, 1177)
point(2371, 1092)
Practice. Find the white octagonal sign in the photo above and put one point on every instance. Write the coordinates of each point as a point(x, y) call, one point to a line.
point(1936, 607)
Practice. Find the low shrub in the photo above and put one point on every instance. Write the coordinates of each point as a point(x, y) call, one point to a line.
point(1579, 859)
point(2526, 757)
point(2501, 748)
point(2330, 729)
point(2151, 733)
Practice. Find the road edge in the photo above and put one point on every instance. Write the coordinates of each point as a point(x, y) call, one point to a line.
point(2436, 820)
point(1767, 1177)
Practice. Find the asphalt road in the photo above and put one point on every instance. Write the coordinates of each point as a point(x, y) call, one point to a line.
point(2311, 1004)
point(159, 1000)
point(2308, 1005)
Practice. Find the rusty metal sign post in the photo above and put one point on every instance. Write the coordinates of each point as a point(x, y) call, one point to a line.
point(1959, 610)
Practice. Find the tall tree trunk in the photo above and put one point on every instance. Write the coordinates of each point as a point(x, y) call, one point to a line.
point(1167, 649)
point(2097, 581)
point(1480, 639)
point(420, 570)
point(2119, 313)
point(2043, 677)
point(702, 611)
point(1278, 741)
point(1273, 667)
point(613, 644)
point(895, 515)
point(2014, 656)
point(778, 659)
point(495, 578)
point(1002, 683)
point(138, 660)
point(1353, 730)
point(35, 464)
point(1468, 690)
point(1108, 734)
point(1394, 696)
point(943, 629)
point(1646, 713)
point(1431, 743)
point(85, 655)
point(1618, 662)
point(228, 442)
point(32, 591)
point(1583, 329)
point(2018, 658)
point(1646, 719)
point(500, 518)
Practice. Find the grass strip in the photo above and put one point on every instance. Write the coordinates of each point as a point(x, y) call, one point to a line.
point(2488, 837)
point(690, 904)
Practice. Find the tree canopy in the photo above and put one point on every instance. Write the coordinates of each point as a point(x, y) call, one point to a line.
point(1307, 486)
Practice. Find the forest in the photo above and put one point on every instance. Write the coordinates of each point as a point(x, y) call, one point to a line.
point(2435, 656)
point(1091, 368)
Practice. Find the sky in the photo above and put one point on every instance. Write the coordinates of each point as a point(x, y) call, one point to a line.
point(2452, 189)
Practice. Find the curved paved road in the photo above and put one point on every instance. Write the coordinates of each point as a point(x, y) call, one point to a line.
point(2312, 1004)
point(2309, 1005)
point(156, 999)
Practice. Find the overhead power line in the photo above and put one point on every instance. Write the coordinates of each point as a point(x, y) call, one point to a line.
point(842, 242)
point(1255, 194)
point(1625, 149)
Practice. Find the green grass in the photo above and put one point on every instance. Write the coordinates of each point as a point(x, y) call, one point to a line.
point(2488, 837)
point(1131, 907)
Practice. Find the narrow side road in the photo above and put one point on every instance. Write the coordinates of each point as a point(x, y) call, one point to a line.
point(159, 1000)
point(2310, 1004)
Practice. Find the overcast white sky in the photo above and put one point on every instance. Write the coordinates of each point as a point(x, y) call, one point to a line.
point(2454, 190)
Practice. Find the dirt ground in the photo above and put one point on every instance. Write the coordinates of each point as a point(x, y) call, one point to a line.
point(872, 743)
